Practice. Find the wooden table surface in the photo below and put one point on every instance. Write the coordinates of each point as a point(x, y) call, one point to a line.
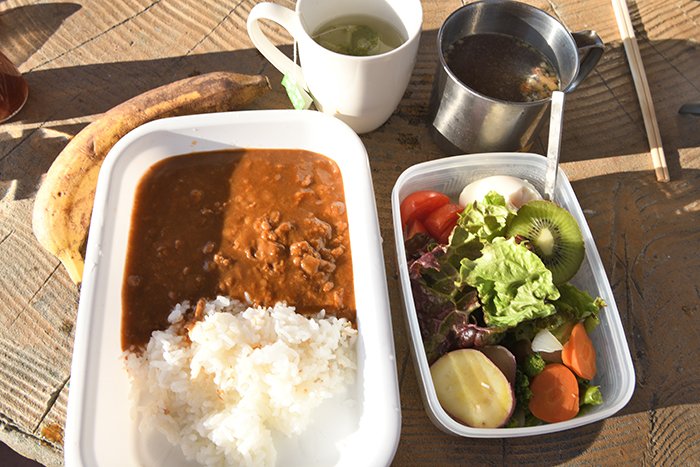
point(82, 58)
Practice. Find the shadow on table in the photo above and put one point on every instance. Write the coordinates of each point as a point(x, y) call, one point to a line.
point(11, 458)
point(59, 95)
point(646, 233)
point(33, 24)
point(602, 117)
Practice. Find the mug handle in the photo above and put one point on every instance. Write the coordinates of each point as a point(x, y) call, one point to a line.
point(591, 47)
point(289, 20)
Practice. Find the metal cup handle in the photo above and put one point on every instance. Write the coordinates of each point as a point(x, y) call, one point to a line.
point(591, 48)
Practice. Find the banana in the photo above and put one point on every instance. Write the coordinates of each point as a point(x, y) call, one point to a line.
point(63, 204)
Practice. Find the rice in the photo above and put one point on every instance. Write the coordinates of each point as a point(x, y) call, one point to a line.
point(220, 390)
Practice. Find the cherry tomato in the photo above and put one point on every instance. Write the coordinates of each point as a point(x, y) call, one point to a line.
point(415, 227)
point(420, 204)
point(441, 221)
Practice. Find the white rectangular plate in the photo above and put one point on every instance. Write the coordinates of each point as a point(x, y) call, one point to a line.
point(100, 430)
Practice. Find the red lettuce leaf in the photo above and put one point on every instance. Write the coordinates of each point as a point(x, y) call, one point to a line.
point(443, 308)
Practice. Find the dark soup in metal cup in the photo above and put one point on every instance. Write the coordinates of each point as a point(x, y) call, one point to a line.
point(499, 62)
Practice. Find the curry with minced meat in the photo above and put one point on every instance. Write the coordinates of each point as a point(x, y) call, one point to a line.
point(258, 225)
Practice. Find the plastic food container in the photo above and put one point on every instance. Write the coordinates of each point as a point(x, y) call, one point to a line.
point(100, 429)
point(615, 371)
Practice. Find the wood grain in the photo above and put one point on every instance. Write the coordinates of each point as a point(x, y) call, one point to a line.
point(646, 101)
point(82, 58)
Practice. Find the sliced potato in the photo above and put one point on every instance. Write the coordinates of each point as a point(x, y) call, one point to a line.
point(472, 389)
point(503, 359)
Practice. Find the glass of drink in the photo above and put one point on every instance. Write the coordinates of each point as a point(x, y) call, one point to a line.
point(13, 89)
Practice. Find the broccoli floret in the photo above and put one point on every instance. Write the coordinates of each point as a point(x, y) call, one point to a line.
point(531, 420)
point(516, 420)
point(522, 415)
point(521, 388)
point(533, 364)
point(591, 396)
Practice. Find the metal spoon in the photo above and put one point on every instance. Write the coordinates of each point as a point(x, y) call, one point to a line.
point(13, 89)
point(556, 118)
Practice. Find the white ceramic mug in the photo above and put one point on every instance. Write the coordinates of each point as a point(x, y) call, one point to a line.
point(361, 91)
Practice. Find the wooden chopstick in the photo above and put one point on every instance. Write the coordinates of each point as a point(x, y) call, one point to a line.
point(624, 24)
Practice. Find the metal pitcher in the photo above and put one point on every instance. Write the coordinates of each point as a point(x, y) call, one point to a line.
point(465, 121)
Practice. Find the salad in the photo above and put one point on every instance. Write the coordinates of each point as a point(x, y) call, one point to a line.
point(505, 332)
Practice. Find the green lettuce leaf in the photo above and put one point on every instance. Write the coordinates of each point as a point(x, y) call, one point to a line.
point(486, 219)
point(512, 282)
point(463, 244)
point(579, 305)
point(573, 306)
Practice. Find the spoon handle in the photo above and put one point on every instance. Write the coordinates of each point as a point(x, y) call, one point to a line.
point(553, 145)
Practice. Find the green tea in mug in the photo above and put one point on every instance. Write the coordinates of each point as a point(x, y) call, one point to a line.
point(358, 35)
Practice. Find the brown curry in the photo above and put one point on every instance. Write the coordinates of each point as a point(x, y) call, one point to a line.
point(258, 225)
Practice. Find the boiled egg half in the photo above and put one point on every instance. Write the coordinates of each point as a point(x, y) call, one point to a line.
point(515, 190)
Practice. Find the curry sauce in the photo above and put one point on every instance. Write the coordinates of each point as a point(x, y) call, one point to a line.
point(259, 225)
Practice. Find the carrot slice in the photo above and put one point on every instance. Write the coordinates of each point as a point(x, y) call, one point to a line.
point(554, 394)
point(579, 354)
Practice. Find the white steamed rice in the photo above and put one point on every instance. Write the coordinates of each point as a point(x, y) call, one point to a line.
point(246, 372)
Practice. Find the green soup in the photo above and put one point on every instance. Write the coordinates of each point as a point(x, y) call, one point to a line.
point(358, 35)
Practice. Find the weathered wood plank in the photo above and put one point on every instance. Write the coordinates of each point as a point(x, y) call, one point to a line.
point(51, 428)
point(82, 59)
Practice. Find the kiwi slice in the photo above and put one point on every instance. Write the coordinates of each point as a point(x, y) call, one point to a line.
point(554, 234)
